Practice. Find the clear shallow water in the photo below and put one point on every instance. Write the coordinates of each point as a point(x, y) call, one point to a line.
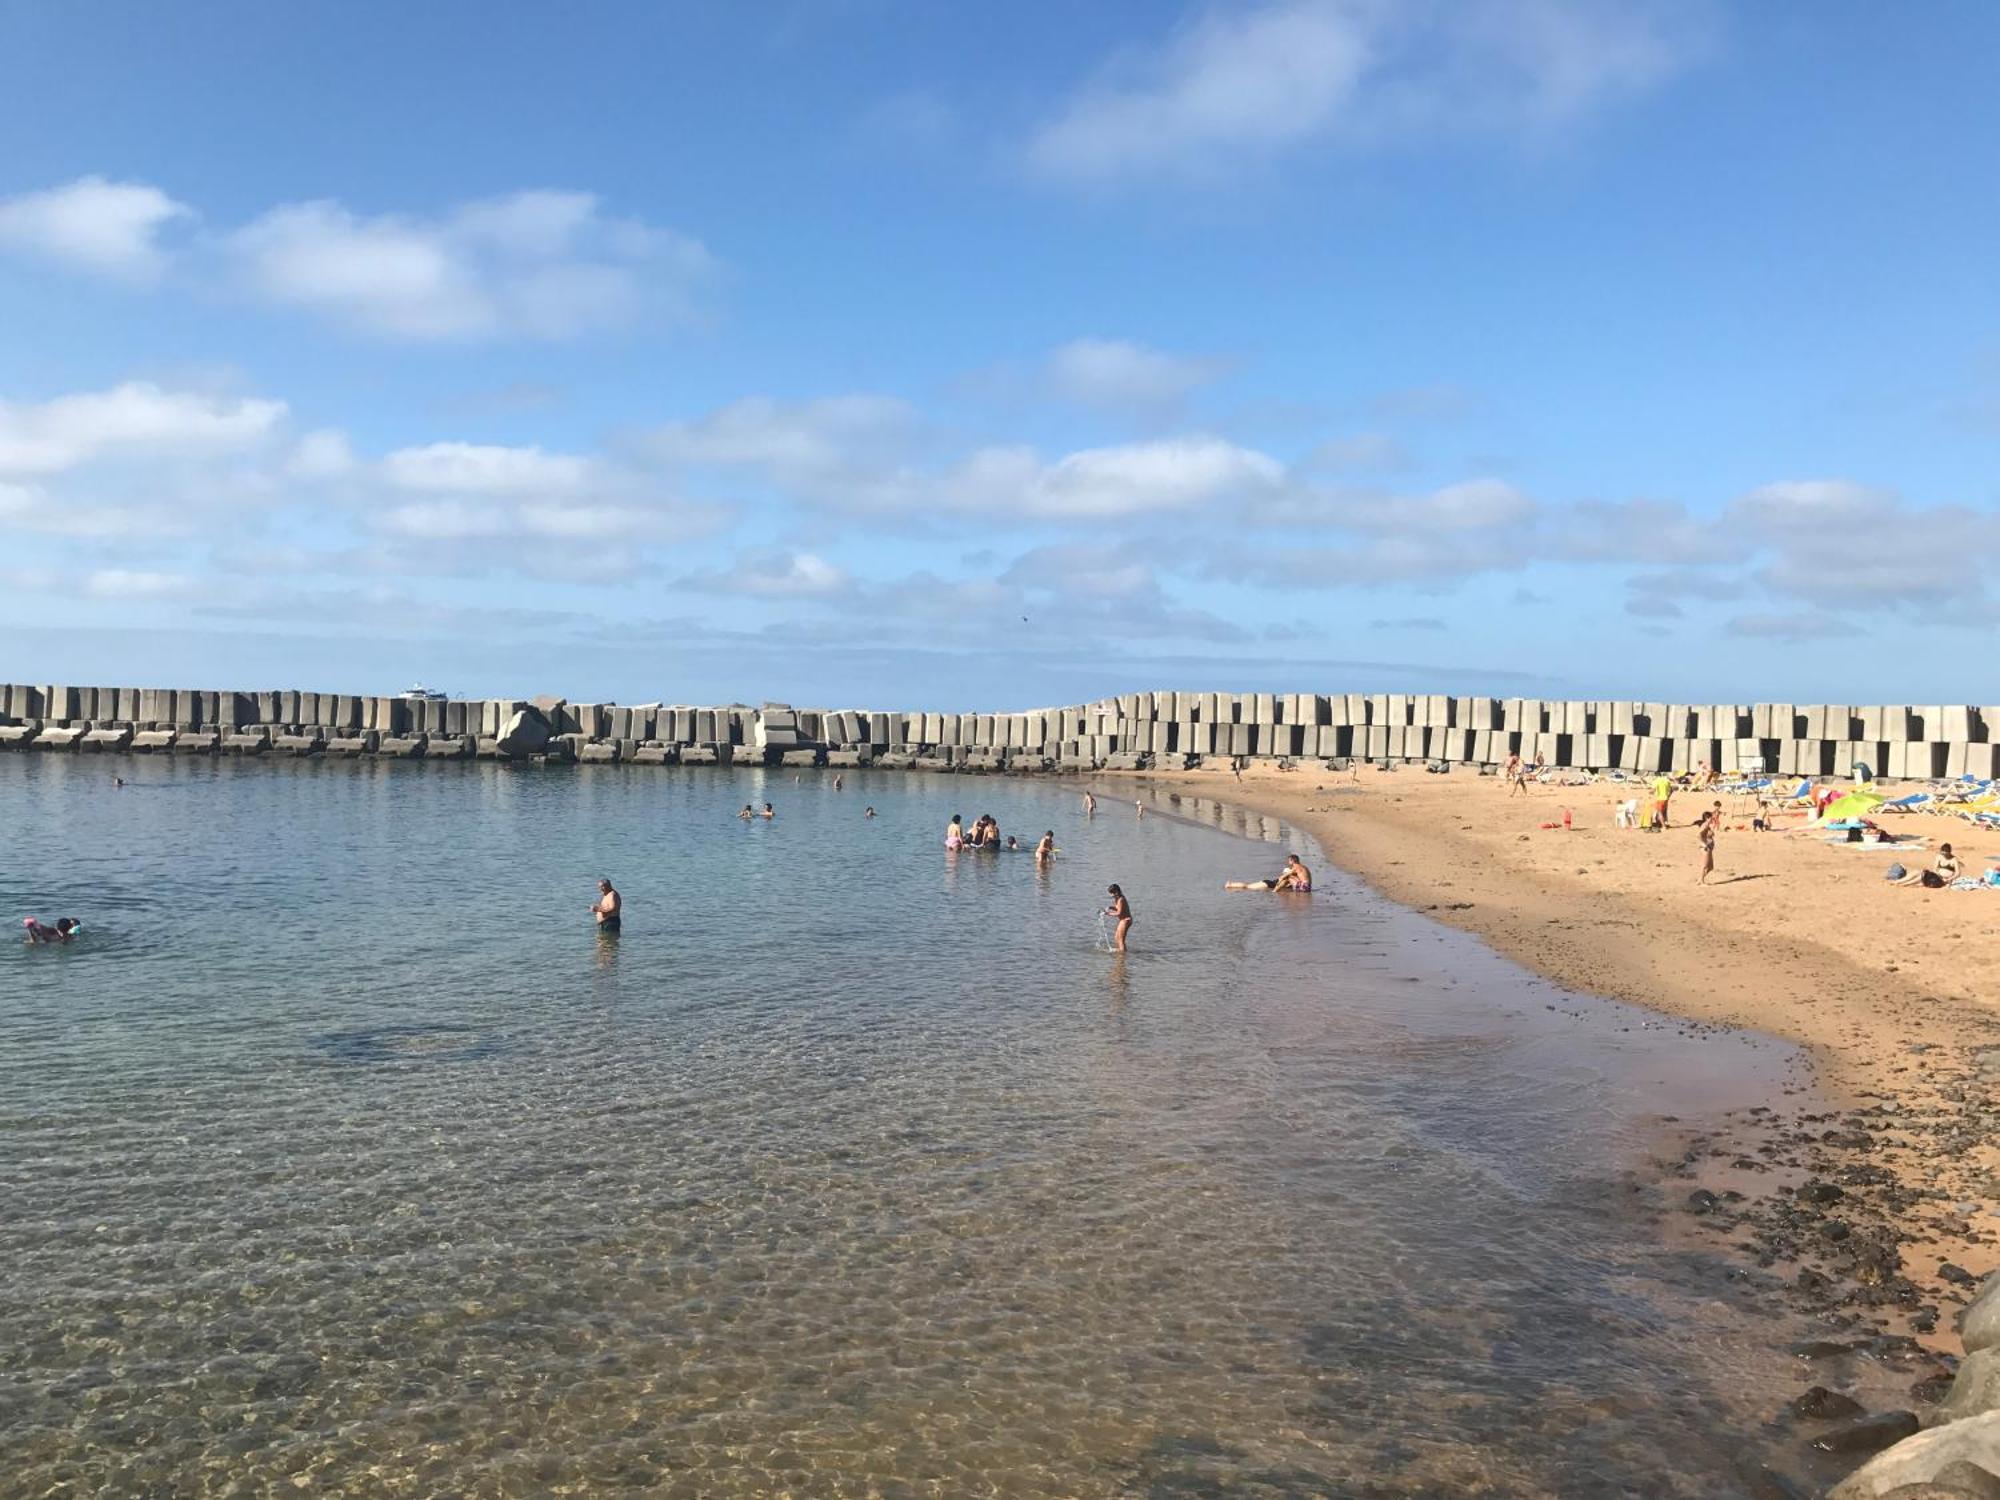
point(342, 1157)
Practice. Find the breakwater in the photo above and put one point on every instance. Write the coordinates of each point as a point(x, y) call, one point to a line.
point(1165, 730)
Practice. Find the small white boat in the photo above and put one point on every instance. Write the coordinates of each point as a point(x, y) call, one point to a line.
point(422, 694)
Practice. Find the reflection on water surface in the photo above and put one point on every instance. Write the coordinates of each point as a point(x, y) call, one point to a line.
point(343, 1157)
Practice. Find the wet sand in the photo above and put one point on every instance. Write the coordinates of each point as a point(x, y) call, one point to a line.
point(1871, 1201)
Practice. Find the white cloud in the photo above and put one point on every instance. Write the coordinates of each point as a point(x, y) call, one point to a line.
point(777, 575)
point(486, 469)
point(127, 583)
point(110, 228)
point(1239, 83)
point(1361, 452)
point(1842, 545)
point(1132, 479)
point(526, 498)
point(540, 265)
point(325, 454)
point(1804, 626)
point(132, 420)
point(804, 442)
point(1118, 375)
point(859, 454)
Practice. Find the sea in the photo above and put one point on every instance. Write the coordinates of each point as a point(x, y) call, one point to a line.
point(342, 1156)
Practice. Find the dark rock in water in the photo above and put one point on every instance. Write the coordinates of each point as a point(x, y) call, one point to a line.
point(1822, 1405)
point(1932, 1388)
point(1760, 1483)
point(1702, 1201)
point(1868, 1434)
point(1825, 1348)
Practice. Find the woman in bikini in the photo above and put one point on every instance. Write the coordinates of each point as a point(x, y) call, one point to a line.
point(954, 836)
point(1120, 912)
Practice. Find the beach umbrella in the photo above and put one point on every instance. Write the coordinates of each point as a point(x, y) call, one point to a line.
point(1853, 805)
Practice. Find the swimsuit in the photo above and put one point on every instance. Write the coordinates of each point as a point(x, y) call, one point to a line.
point(610, 923)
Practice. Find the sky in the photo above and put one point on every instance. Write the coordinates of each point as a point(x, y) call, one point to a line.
point(882, 353)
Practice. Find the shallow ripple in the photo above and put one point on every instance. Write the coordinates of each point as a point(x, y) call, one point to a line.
point(848, 1170)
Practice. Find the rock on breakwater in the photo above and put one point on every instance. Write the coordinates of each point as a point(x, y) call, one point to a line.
point(1159, 729)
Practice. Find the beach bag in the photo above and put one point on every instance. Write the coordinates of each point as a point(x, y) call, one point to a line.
point(1896, 872)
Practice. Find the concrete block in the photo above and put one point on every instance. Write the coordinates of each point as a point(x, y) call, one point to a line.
point(17, 736)
point(1978, 758)
point(308, 741)
point(401, 747)
point(59, 736)
point(149, 740)
point(248, 740)
point(197, 741)
point(108, 739)
point(1955, 724)
point(362, 742)
point(603, 751)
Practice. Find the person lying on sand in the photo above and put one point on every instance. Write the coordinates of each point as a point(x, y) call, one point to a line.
point(1294, 877)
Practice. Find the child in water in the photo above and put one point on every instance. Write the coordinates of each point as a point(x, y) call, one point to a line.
point(1120, 913)
point(65, 929)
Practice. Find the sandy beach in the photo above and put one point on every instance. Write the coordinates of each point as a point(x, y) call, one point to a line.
point(1876, 1217)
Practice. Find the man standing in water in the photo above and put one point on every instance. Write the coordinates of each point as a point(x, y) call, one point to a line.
point(609, 908)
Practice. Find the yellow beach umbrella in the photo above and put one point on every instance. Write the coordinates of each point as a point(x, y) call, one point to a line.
point(1853, 805)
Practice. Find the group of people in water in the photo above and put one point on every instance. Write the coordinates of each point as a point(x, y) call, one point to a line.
point(984, 835)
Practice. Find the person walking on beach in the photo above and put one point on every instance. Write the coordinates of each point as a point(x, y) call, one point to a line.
point(1516, 774)
point(609, 909)
point(1663, 791)
point(1120, 913)
point(1711, 824)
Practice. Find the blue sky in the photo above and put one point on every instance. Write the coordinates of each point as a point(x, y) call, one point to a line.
point(879, 353)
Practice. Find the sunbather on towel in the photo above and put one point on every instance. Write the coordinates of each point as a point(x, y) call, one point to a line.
point(1939, 875)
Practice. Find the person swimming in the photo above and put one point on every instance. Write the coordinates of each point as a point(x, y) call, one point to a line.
point(954, 836)
point(748, 812)
point(869, 814)
point(767, 813)
point(65, 929)
point(1013, 844)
